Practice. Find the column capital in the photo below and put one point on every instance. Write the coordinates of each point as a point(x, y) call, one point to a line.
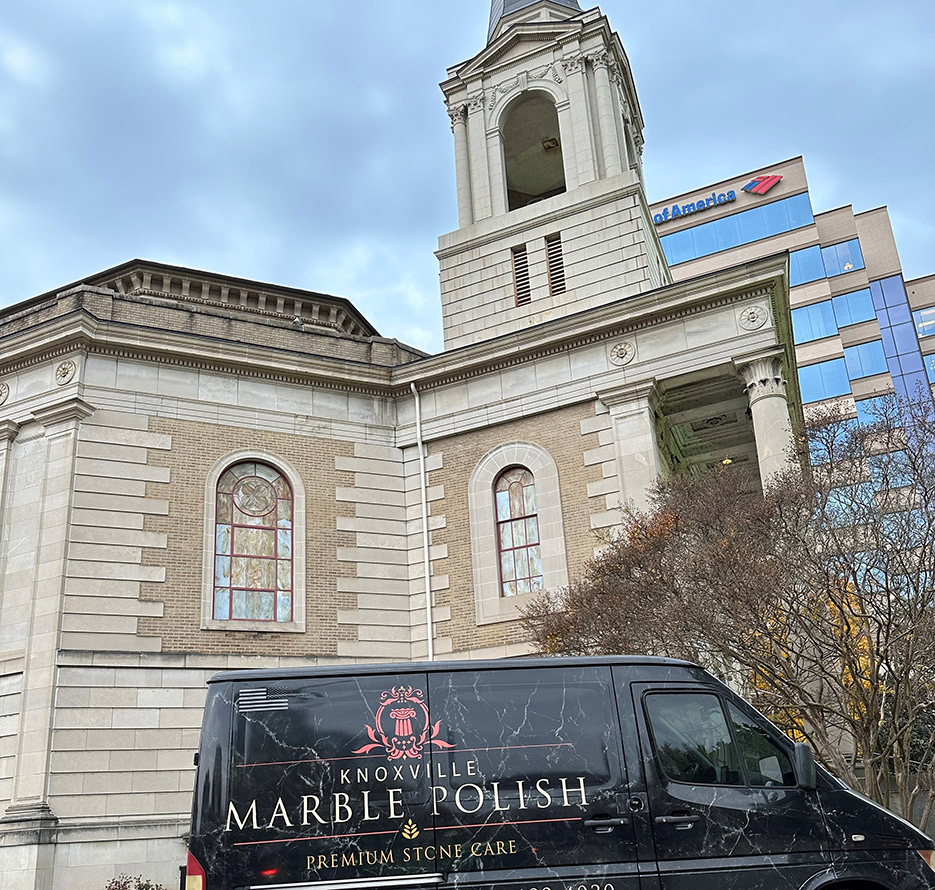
point(762, 376)
point(574, 63)
point(476, 101)
point(602, 59)
point(458, 114)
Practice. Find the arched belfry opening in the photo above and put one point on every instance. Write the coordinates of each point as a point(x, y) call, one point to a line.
point(532, 150)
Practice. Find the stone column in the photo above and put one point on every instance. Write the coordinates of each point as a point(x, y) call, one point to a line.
point(8, 431)
point(496, 167)
point(610, 144)
point(458, 115)
point(765, 385)
point(639, 462)
point(29, 808)
point(575, 125)
point(477, 149)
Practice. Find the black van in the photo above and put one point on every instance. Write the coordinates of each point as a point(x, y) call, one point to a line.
point(536, 774)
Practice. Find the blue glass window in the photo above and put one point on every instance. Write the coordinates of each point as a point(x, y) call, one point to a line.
point(812, 263)
point(832, 438)
point(930, 366)
point(870, 410)
point(813, 322)
point(824, 380)
point(839, 259)
point(904, 336)
point(855, 307)
point(738, 228)
point(728, 232)
point(678, 247)
point(894, 291)
point(865, 359)
point(805, 265)
point(899, 330)
point(924, 321)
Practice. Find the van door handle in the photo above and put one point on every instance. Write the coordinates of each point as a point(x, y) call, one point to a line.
point(681, 822)
point(605, 824)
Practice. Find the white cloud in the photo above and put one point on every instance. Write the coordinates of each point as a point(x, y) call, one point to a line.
point(24, 62)
point(189, 43)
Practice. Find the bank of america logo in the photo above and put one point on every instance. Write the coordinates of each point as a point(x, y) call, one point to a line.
point(761, 185)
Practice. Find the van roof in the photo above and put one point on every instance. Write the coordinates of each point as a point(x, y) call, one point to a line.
point(411, 667)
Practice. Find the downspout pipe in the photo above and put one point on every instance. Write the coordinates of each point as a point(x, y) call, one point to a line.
point(423, 488)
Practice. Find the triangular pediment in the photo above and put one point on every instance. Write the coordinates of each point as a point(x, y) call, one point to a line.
point(504, 11)
point(516, 41)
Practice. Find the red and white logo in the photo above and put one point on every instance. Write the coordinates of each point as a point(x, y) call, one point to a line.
point(401, 726)
point(762, 184)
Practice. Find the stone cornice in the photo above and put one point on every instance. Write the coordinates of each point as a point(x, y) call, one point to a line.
point(8, 431)
point(82, 331)
point(758, 280)
point(763, 280)
point(574, 205)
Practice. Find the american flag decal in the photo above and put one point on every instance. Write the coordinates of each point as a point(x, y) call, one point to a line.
point(761, 185)
point(273, 698)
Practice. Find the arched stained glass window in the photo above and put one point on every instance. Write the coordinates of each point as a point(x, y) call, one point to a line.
point(253, 545)
point(518, 532)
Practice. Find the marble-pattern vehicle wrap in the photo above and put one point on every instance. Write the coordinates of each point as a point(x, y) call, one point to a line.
point(539, 774)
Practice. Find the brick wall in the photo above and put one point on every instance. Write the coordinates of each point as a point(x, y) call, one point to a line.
point(559, 432)
point(195, 449)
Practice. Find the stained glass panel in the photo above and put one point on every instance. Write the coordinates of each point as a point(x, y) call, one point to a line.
point(518, 532)
point(503, 505)
point(222, 539)
point(254, 526)
point(222, 603)
point(506, 566)
point(506, 536)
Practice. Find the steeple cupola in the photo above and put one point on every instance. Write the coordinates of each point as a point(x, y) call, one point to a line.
point(548, 139)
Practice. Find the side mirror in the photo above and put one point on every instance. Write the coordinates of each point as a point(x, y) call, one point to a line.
point(804, 763)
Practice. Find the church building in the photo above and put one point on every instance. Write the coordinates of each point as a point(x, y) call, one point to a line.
point(200, 472)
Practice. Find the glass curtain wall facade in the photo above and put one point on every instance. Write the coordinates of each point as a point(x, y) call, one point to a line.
point(856, 335)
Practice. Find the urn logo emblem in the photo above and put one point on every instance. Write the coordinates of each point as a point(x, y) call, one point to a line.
point(401, 726)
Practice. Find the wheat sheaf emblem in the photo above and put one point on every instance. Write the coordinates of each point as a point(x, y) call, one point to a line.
point(410, 830)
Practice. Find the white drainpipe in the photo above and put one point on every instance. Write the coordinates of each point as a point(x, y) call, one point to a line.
point(425, 524)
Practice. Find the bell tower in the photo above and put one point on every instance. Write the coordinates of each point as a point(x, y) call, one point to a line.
point(548, 135)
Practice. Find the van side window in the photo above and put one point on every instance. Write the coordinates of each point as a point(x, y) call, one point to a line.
point(528, 725)
point(766, 762)
point(691, 738)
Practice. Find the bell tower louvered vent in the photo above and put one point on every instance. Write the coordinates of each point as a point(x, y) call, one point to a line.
point(521, 276)
point(556, 264)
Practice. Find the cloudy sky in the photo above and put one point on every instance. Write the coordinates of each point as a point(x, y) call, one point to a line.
point(304, 142)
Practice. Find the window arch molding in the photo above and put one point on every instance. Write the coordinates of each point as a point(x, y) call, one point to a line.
point(552, 91)
point(538, 91)
point(221, 466)
point(490, 605)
